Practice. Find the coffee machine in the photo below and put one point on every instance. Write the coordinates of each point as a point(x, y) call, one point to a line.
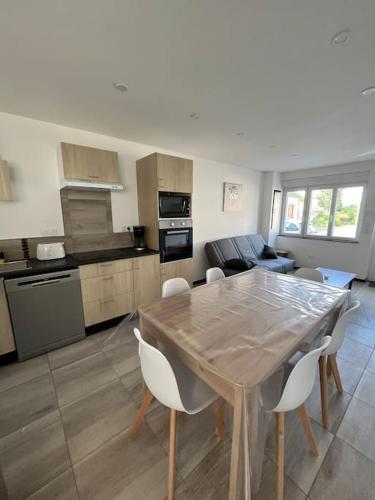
point(139, 238)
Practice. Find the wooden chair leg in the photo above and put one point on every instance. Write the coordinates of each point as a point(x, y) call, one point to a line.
point(219, 422)
point(280, 445)
point(308, 430)
point(147, 399)
point(335, 371)
point(329, 368)
point(172, 451)
point(324, 389)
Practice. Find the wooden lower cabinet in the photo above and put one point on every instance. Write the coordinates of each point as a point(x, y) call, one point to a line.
point(102, 310)
point(6, 333)
point(105, 287)
point(146, 279)
point(177, 269)
point(115, 288)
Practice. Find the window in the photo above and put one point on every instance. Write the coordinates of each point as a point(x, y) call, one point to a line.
point(319, 212)
point(326, 212)
point(293, 215)
point(348, 205)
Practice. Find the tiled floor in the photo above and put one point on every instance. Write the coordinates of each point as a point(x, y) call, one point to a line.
point(65, 416)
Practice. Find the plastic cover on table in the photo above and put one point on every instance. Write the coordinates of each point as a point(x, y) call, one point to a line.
point(237, 332)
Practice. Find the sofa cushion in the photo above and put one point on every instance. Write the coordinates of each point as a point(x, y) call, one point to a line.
point(245, 247)
point(271, 265)
point(257, 242)
point(269, 252)
point(288, 264)
point(220, 251)
point(239, 264)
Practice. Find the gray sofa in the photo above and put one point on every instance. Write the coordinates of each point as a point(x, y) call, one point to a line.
point(249, 247)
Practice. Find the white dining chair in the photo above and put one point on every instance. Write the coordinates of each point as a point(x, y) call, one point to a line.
point(175, 386)
point(174, 286)
point(214, 274)
point(309, 274)
point(297, 389)
point(328, 362)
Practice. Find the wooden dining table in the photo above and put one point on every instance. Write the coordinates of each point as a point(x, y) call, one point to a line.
point(234, 334)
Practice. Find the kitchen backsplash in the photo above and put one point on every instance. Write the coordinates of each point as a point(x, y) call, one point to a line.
point(13, 248)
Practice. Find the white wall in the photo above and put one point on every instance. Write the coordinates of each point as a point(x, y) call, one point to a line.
point(30, 146)
point(270, 181)
point(351, 257)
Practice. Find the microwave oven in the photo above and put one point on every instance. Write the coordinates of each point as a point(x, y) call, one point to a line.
point(174, 205)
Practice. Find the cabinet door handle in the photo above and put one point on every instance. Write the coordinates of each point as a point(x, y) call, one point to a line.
point(108, 278)
point(94, 176)
point(107, 301)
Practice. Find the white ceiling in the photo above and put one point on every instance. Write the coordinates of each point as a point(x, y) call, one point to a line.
point(262, 67)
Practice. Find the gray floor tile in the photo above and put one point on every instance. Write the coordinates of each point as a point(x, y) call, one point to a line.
point(25, 403)
point(358, 427)
point(33, 456)
point(133, 382)
point(210, 479)
point(117, 336)
point(350, 375)
point(96, 418)
point(81, 377)
point(195, 436)
point(300, 465)
point(356, 353)
point(19, 373)
point(337, 405)
point(365, 315)
point(73, 352)
point(366, 388)
point(267, 489)
point(361, 334)
point(371, 363)
point(124, 357)
point(63, 487)
point(345, 475)
point(124, 468)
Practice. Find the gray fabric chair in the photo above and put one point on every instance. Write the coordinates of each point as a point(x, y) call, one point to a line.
point(248, 247)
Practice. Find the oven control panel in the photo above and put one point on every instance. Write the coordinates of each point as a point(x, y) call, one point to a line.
point(175, 223)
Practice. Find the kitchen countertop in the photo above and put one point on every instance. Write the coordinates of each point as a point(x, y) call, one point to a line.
point(105, 255)
point(72, 261)
point(35, 266)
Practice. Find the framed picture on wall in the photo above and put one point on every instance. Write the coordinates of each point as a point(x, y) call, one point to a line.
point(276, 209)
point(232, 197)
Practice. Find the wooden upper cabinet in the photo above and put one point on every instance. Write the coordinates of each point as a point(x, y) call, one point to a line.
point(146, 279)
point(89, 164)
point(174, 174)
point(5, 187)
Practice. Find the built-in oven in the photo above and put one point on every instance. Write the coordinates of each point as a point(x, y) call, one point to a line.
point(176, 239)
point(174, 205)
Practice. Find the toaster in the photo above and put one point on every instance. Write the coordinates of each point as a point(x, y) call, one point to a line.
point(50, 251)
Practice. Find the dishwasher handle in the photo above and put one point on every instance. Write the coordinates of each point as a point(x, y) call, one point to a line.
point(44, 283)
point(28, 282)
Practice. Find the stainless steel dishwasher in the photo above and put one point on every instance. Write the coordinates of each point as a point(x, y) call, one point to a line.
point(46, 311)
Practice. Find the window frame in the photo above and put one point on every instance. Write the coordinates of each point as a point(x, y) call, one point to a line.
point(306, 210)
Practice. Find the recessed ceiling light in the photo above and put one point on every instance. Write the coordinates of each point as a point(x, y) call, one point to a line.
point(368, 91)
point(122, 87)
point(194, 116)
point(240, 133)
point(341, 37)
